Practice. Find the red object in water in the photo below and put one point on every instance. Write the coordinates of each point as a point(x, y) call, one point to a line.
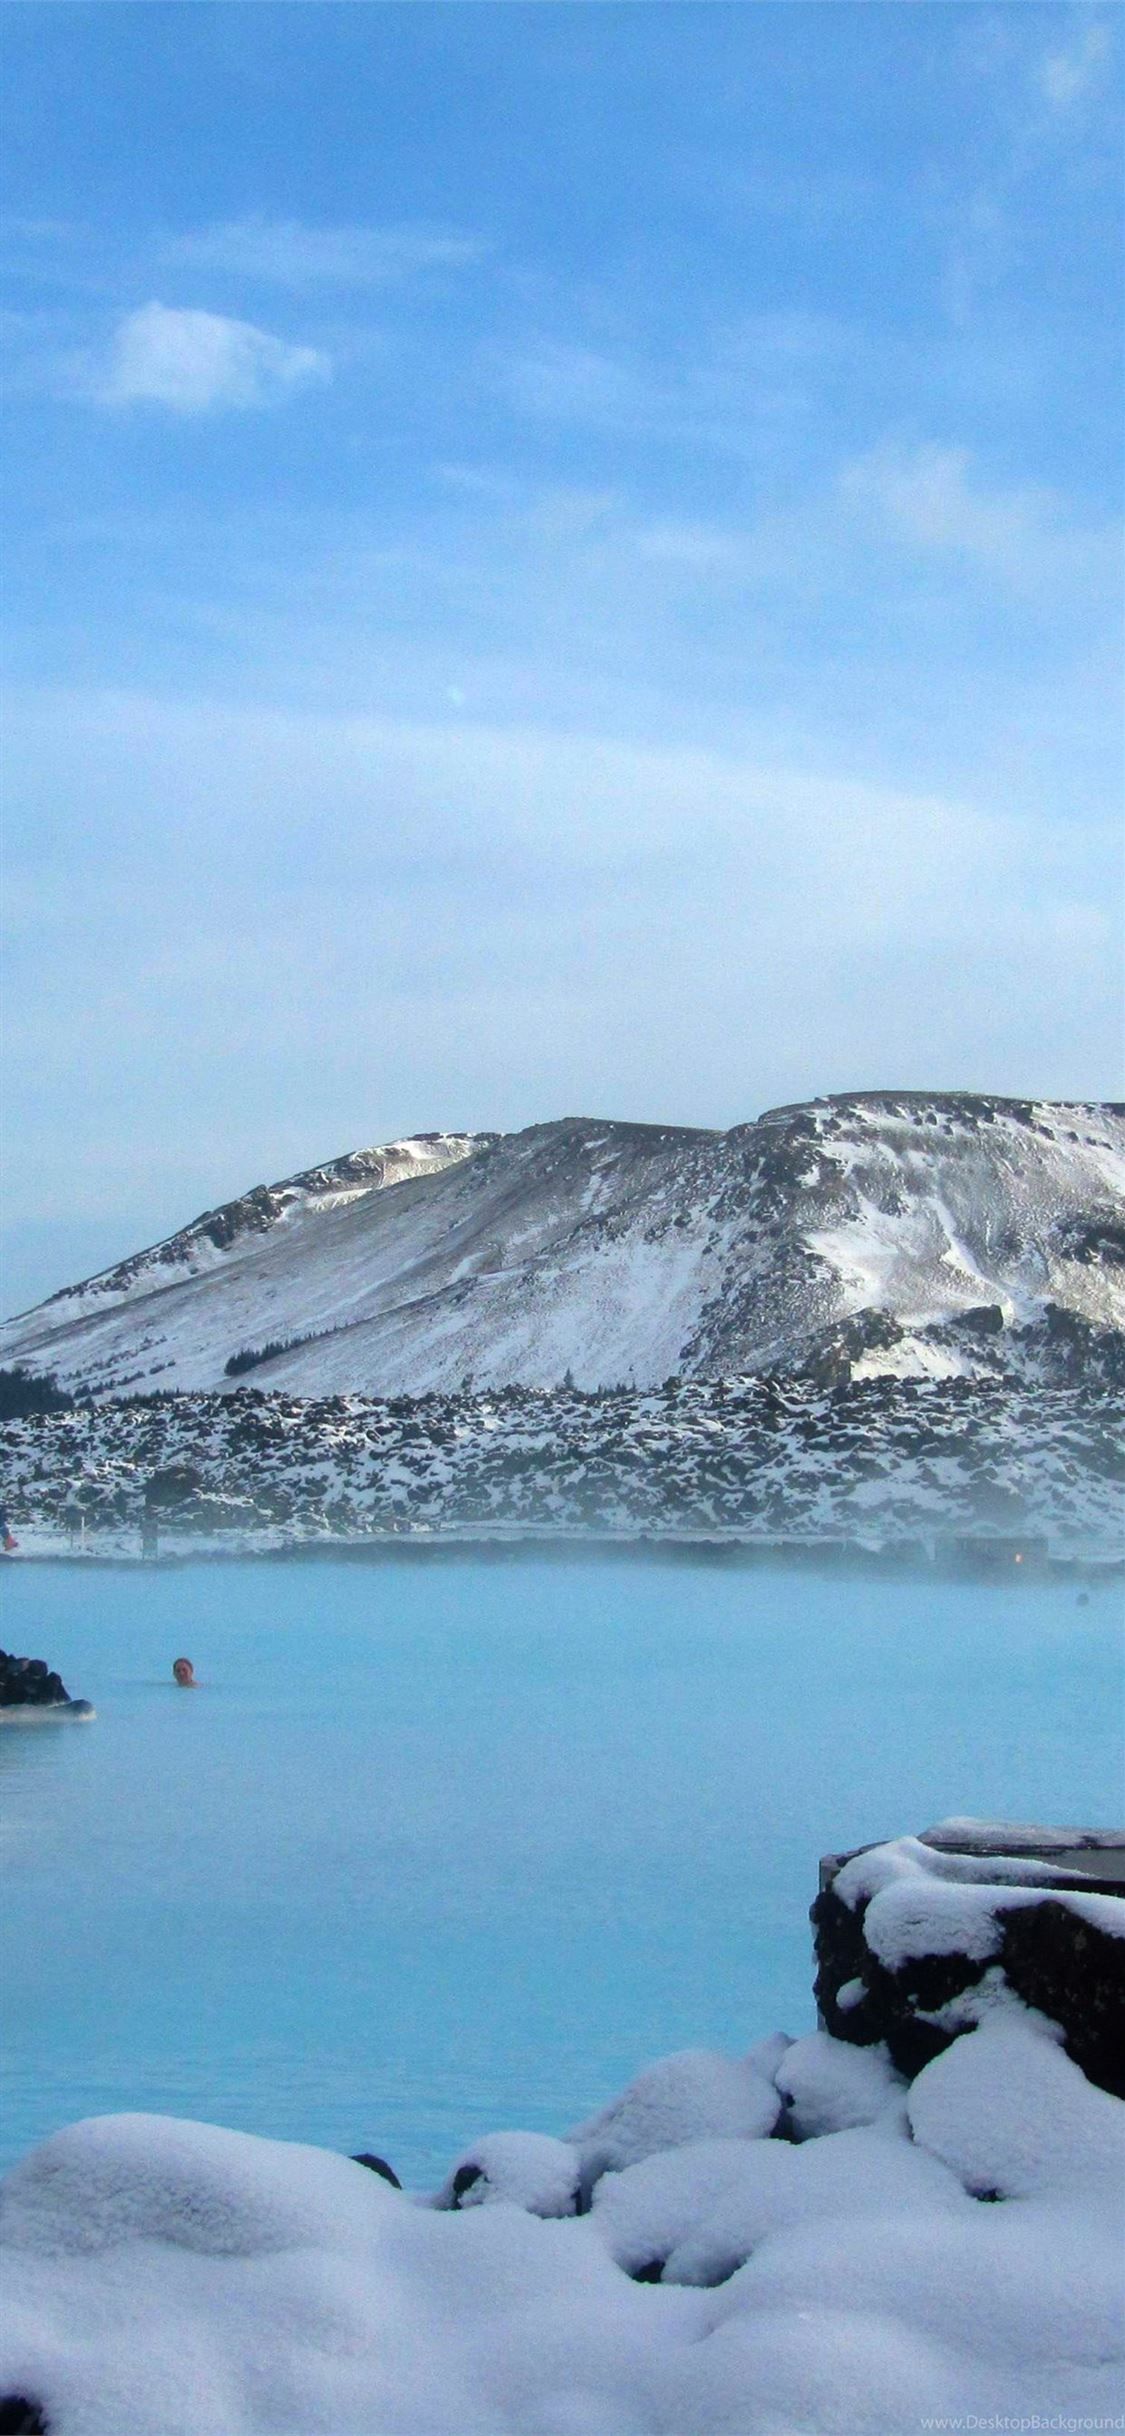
point(183, 1671)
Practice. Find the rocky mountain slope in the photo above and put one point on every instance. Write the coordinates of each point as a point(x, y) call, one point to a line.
point(901, 1234)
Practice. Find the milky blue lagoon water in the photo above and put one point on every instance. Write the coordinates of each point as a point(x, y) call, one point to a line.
point(437, 1847)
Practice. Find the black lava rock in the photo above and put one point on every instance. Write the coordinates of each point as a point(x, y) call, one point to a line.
point(28, 1683)
point(20, 2417)
point(377, 2165)
point(172, 1486)
point(465, 2179)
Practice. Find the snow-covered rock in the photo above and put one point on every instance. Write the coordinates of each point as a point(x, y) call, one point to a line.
point(698, 2213)
point(826, 2086)
point(918, 1941)
point(118, 2179)
point(171, 2279)
point(954, 2256)
point(985, 1470)
point(1007, 2111)
point(529, 2168)
point(696, 2095)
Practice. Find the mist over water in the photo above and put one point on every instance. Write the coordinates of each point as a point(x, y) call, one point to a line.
point(438, 1848)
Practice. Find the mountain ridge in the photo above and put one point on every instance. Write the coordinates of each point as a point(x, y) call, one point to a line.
point(329, 1181)
point(860, 1229)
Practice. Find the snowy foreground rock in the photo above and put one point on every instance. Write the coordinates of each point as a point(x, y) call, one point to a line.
point(800, 2239)
point(917, 1940)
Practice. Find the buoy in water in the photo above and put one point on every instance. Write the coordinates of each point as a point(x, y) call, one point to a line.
point(184, 1671)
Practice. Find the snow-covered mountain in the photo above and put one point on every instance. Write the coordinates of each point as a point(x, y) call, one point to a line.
point(898, 1233)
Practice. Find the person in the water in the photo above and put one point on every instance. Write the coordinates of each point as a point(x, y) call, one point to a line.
point(184, 1671)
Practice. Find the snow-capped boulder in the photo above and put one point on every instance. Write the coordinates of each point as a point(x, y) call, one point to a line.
point(695, 2095)
point(953, 2259)
point(694, 2215)
point(529, 2169)
point(1009, 2113)
point(116, 2179)
point(827, 2086)
point(917, 1940)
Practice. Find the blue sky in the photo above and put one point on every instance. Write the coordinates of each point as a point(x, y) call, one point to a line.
point(558, 560)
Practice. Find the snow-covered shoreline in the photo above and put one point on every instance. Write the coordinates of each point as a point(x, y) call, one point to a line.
point(803, 2238)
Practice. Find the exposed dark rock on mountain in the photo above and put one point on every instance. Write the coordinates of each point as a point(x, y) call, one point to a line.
point(315, 1190)
point(883, 1234)
point(174, 1486)
point(22, 1391)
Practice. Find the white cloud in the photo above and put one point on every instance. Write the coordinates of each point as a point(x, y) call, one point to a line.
point(696, 547)
point(1066, 77)
point(194, 362)
point(293, 254)
point(743, 382)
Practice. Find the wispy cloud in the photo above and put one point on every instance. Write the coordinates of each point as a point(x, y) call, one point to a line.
point(1066, 77)
point(928, 493)
point(932, 498)
point(696, 546)
point(1044, 114)
point(578, 384)
point(196, 363)
point(744, 381)
point(637, 918)
point(292, 254)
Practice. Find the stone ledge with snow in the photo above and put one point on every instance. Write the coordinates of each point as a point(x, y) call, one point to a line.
point(916, 1939)
point(801, 2239)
